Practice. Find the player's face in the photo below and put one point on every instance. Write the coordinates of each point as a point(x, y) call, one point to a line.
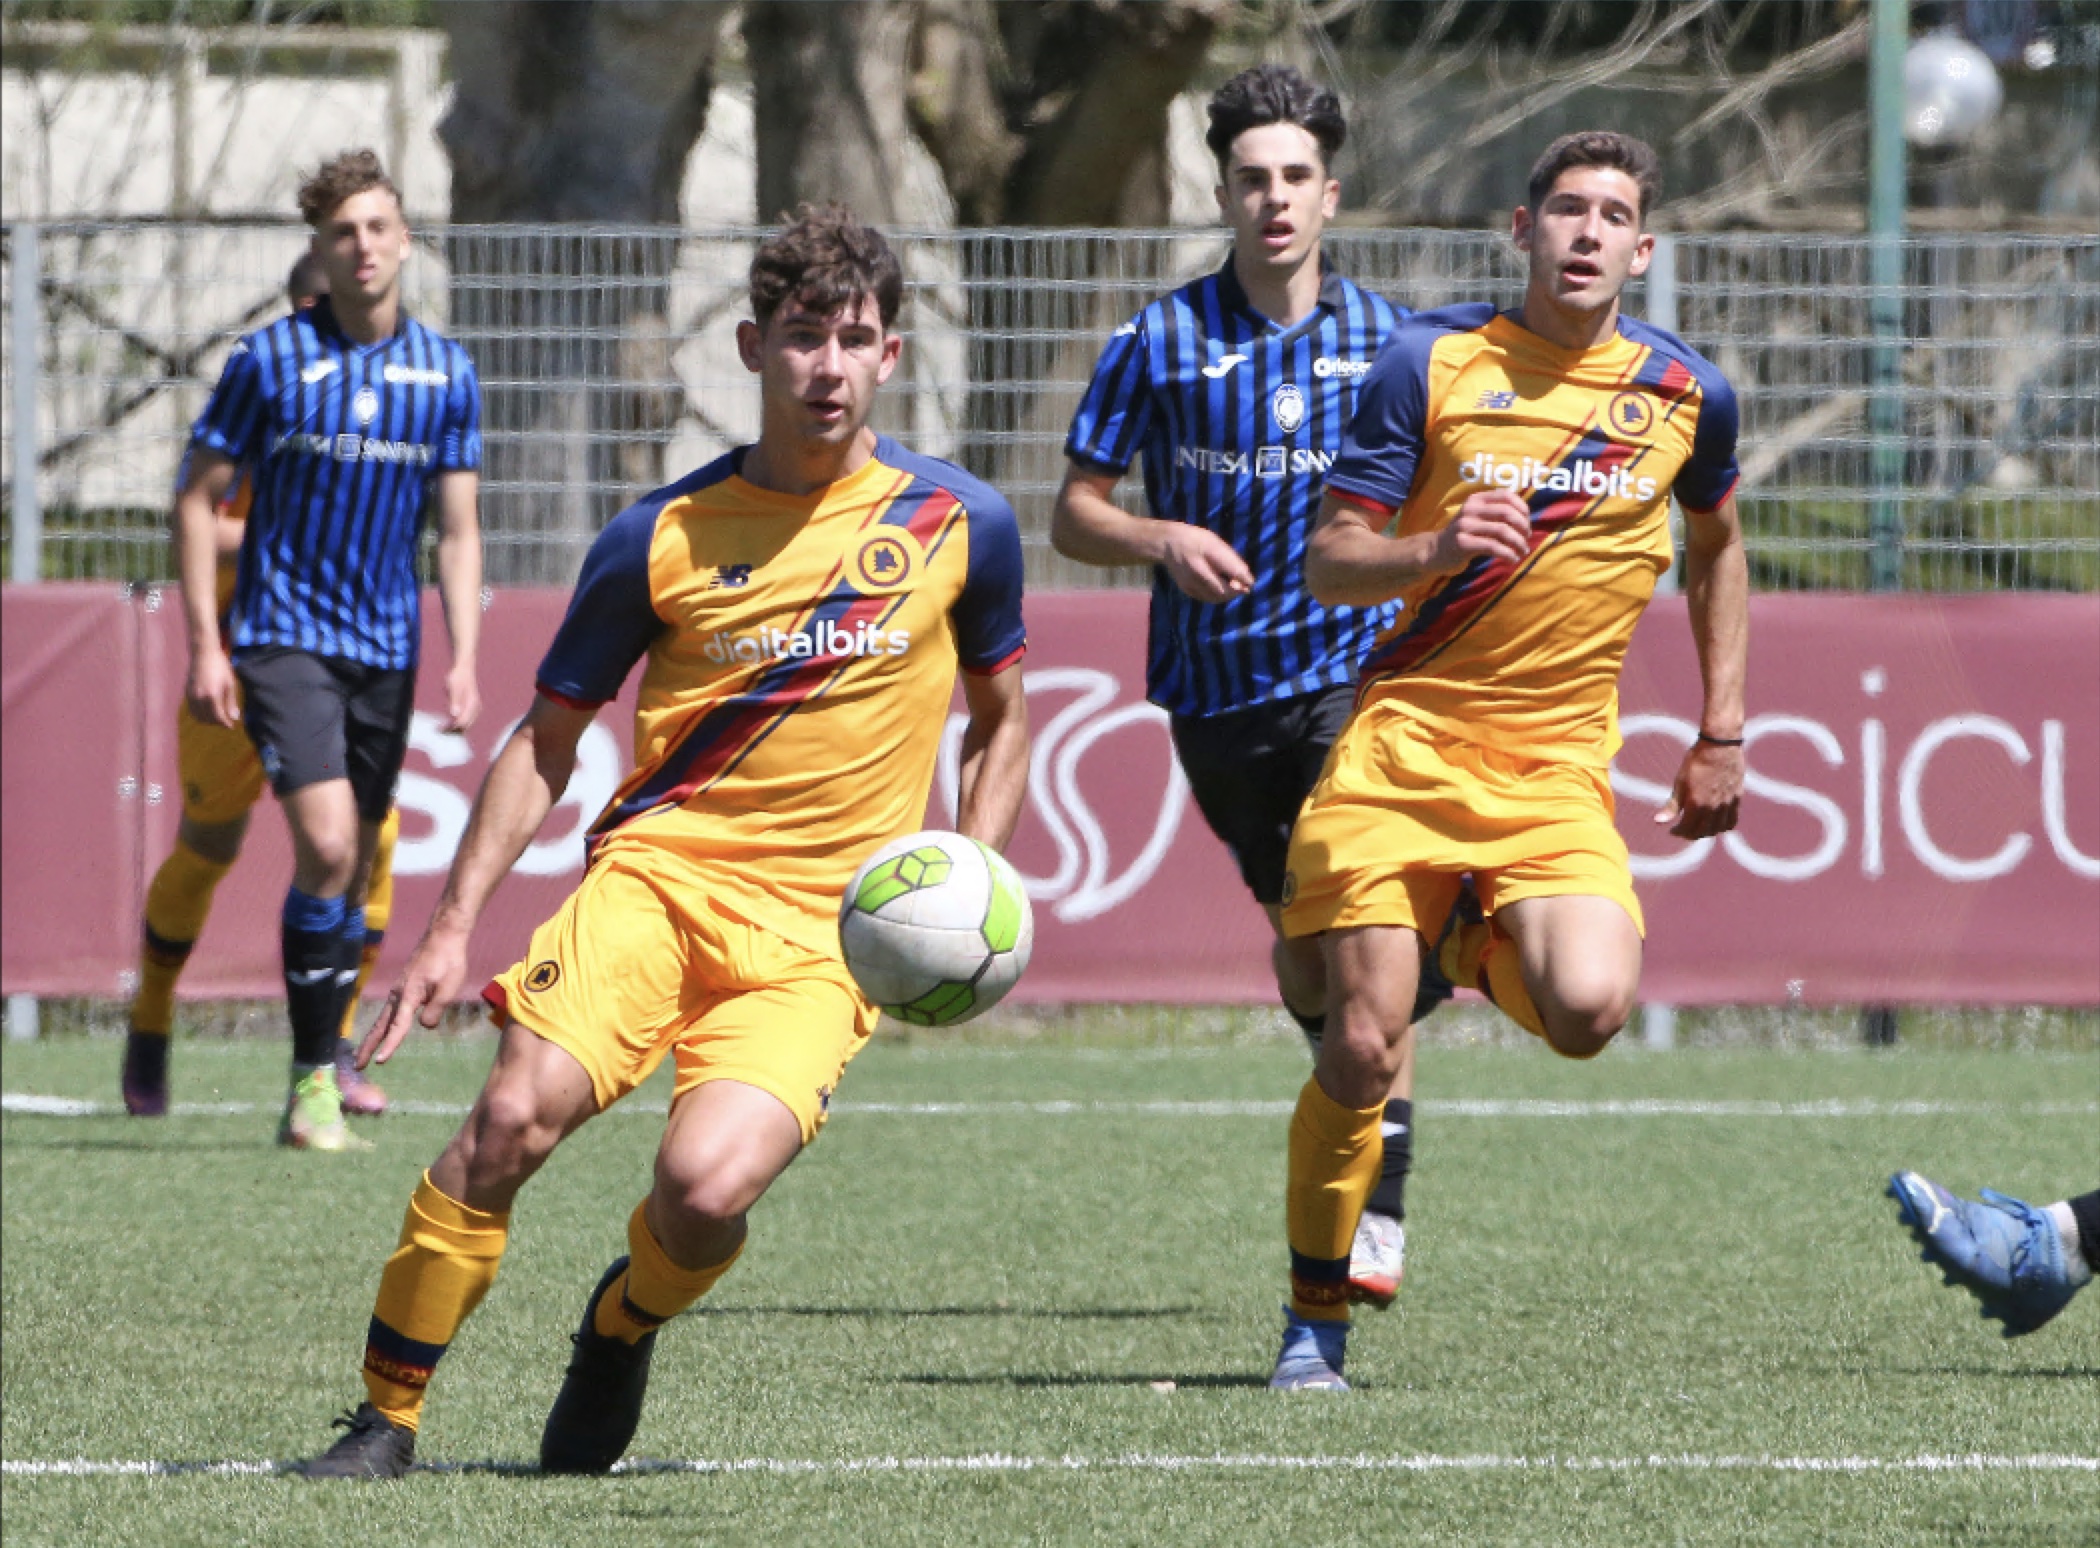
point(818, 373)
point(360, 245)
point(1277, 196)
point(1585, 238)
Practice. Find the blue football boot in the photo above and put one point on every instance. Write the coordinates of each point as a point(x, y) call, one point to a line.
point(2004, 1252)
point(1311, 1358)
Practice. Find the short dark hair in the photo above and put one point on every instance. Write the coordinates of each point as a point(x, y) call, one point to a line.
point(825, 260)
point(307, 280)
point(1274, 94)
point(339, 178)
point(1599, 148)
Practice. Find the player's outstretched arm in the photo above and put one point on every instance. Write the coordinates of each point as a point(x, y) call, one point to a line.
point(1087, 525)
point(459, 588)
point(1717, 587)
point(994, 757)
point(527, 778)
point(212, 691)
point(1351, 562)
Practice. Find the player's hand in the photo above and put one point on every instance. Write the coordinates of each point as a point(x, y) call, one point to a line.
point(1492, 524)
point(213, 692)
point(1709, 787)
point(1205, 566)
point(428, 984)
point(462, 697)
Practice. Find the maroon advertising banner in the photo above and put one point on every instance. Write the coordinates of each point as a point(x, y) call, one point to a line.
point(1922, 822)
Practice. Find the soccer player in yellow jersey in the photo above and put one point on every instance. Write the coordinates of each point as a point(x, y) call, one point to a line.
point(222, 779)
point(800, 607)
point(1508, 478)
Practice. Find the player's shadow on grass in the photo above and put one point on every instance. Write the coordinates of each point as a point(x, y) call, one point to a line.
point(159, 1143)
point(1124, 1379)
point(1999, 1372)
point(994, 1309)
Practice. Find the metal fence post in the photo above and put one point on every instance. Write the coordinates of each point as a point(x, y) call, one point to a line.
point(1659, 1022)
point(26, 301)
point(1887, 173)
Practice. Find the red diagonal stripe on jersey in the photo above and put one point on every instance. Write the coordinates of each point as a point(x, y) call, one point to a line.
point(1468, 596)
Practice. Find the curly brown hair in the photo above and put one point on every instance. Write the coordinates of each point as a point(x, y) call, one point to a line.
point(825, 260)
point(342, 177)
point(1599, 148)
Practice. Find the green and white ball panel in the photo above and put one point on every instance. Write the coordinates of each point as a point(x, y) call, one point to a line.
point(936, 928)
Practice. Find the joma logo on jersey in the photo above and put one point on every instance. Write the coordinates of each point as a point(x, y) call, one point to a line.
point(1579, 477)
point(824, 640)
point(1263, 462)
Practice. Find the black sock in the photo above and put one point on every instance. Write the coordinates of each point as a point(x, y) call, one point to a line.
point(350, 956)
point(313, 1000)
point(2085, 1209)
point(1399, 1156)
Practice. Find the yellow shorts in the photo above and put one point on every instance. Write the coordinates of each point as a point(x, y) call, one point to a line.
point(637, 964)
point(1403, 811)
point(221, 775)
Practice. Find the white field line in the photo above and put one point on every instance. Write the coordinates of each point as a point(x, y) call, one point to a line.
point(28, 1104)
point(1147, 1462)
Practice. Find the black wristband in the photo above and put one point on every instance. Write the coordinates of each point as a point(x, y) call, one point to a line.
point(1720, 741)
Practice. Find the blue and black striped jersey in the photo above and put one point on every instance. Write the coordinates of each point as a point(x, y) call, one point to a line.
point(343, 441)
point(1237, 420)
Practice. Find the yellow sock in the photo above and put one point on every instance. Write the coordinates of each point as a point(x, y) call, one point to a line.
point(1502, 981)
point(1334, 1156)
point(177, 904)
point(379, 911)
point(444, 1265)
point(653, 1290)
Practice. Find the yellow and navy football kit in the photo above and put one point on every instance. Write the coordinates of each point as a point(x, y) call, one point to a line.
point(1487, 714)
point(800, 654)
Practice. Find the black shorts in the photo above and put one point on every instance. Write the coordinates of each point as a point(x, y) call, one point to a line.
point(315, 718)
point(1251, 769)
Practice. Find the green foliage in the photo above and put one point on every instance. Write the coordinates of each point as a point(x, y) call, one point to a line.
point(938, 1284)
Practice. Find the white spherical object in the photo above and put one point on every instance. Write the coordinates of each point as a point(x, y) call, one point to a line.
point(936, 928)
point(1950, 90)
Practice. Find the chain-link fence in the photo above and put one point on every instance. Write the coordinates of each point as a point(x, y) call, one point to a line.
point(608, 365)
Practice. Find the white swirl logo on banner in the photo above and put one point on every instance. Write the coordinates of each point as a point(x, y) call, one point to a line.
point(1086, 882)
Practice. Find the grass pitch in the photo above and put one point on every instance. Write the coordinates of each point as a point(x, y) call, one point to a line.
point(1653, 1299)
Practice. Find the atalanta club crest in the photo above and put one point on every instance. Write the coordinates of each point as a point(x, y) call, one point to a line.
point(1289, 408)
point(365, 405)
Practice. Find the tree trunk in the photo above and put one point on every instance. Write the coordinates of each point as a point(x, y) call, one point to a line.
point(573, 112)
point(828, 84)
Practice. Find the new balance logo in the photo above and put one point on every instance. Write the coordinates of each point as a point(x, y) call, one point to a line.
point(1492, 399)
point(1224, 364)
point(730, 575)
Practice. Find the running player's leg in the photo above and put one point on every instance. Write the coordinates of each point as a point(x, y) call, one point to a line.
point(452, 1240)
point(378, 708)
point(221, 781)
point(361, 1094)
point(1577, 960)
point(757, 1065)
point(295, 711)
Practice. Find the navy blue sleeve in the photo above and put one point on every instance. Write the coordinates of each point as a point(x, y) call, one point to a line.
point(459, 451)
point(232, 423)
point(1384, 441)
point(612, 617)
point(989, 633)
point(1116, 412)
point(1709, 475)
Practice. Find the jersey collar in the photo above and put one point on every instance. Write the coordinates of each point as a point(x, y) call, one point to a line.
point(1234, 295)
point(322, 315)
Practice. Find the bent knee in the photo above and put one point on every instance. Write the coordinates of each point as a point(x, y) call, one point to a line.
point(709, 1191)
point(1584, 1023)
point(510, 1136)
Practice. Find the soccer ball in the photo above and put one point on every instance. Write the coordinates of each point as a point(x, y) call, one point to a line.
point(936, 928)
